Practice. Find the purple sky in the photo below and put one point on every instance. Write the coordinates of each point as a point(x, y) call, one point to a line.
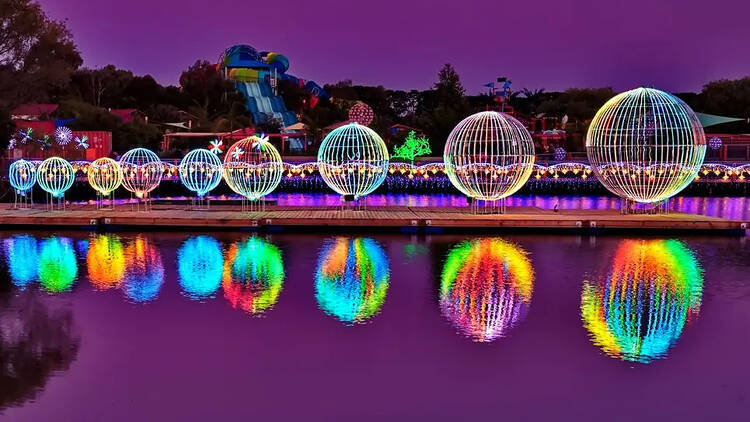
point(676, 45)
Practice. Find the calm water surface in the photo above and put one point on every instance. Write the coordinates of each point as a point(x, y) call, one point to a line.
point(168, 326)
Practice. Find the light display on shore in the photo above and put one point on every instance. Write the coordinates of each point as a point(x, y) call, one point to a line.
point(142, 171)
point(55, 176)
point(486, 287)
point(22, 256)
point(489, 156)
point(645, 145)
point(22, 176)
point(353, 160)
point(104, 175)
point(105, 260)
point(253, 275)
point(639, 309)
point(200, 171)
point(253, 167)
point(352, 279)
point(57, 264)
point(200, 266)
point(144, 272)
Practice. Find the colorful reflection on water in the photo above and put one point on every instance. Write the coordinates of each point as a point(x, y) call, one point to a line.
point(352, 279)
point(22, 257)
point(57, 264)
point(200, 265)
point(486, 287)
point(144, 272)
point(105, 260)
point(253, 275)
point(639, 309)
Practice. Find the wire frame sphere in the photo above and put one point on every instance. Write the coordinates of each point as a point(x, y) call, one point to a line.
point(104, 175)
point(645, 145)
point(141, 171)
point(353, 160)
point(361, 113)
point(22, 175)
point(253, 167)
point(55, 175)
point(200, 171)
point(489, 156)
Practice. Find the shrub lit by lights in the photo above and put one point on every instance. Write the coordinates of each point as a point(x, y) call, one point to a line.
point(21, 254)
point(489, 156)
point(486, 287)
point(55, 176)
point(353, 160)
point(57, 264)
point(144, 272)
point(645, 145)
point(200, 171)
point(105, 261)
point(253, 167)
point(253, 275)
point(638, 310)
point(22, 175)
point(104, 175)
point(200, 265)
point(142, 171)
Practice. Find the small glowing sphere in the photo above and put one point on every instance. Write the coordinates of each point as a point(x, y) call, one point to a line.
point(200, 171)
point(22, 175)
point(560, 154)
point(105, 260)
point(715, 143)
point(361, 113)
point(104, 175)
point(57, 264)
point(144, 272)
point(141, 171)
point(21, 253)
point(353, 160)
point(253, 167)
point(645, 145)
point(253, 275)
point(200, 265)
point(489, 156)
point(55, 175)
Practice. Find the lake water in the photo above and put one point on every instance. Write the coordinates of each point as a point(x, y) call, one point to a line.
point(228, 326)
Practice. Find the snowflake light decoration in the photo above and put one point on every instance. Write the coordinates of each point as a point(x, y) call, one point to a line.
point(216, 146)
point(63, 135)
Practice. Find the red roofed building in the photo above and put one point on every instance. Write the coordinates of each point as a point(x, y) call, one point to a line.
point(33, 111)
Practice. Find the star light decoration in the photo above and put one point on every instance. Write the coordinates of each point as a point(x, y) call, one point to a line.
point(63, 135)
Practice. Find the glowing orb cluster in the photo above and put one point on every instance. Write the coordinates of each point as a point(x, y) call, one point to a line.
point(55, 175)
point(200, 264)
point(22, 175)
point(200, 171)
point(21, 253)
point(715, 143)
point(361, 113)
point(142, 171)
point(57, 264)
point(105, 260)
point(352, 279)
point(639, 309)
point(104, 175)
point(486, 287)
point(253, 275)
point(645, 145)
point(144, 272)
point(489, 156)
point(353, 160)
point(253, 167)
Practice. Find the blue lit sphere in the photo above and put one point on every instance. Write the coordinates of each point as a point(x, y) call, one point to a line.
point(55, 175)
point(22, 175)
point(200, 265)
point(200, 171)
point(141, 171)
point(22, 254)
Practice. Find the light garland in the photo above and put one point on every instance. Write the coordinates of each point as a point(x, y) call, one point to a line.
point(55, 175)
point(253, 167)
point(22, 175)
point(142, 171)
point(253, 275)
point(200, 266)
point(200, 171)
point(104, 175)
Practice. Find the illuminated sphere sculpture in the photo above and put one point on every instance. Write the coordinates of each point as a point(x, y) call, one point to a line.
point(200, 171)
point(104, 175)
point(141, 171)
point(645, 145)
point(489, 156)
point(55, 175)
point(253, 167)
point(361, 113)
point(353, 160)
point(22, 175)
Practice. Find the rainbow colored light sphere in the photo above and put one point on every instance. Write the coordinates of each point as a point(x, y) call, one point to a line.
point(253, 275)
point(141, 170)
point(105, 260)
point(22, 175)
point(57, 266)
point(144, 272)
point(200, 265)
point(645, 145)
point(638, 310)
point(486, 287)
point(253, 167)
point(55, 175)
point(489, 156)
point(352, 279)
point(200, 171)
point(104, 175)
point(353, 160)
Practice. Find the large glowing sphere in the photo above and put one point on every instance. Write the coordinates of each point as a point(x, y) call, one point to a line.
point(144, 272)
point(22, 175)
point(352, 279)
point(55, 175)
point(104, 175)
point(22, 255)
point(637, 310)
point(253, 167)
point(200, 264)
point(486, 287)
point(253, 275)
point(105, 260)
point(141, 171)
point(57, 264)
point(200, 171)
point(645, 145)
point(489, 155)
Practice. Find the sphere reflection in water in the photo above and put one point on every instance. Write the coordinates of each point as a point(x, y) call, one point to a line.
point(22, 257)
point(144, 273)
point(253, 275)
point(199, 265)
point(352, 279)
point(639, 309)
point(105, 260)
point(57, 264)
point(486, 287)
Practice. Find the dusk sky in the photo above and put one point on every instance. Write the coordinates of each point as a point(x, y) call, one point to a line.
point(673, 45)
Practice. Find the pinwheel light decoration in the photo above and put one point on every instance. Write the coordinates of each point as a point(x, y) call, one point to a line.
point(104, 175)
point(253, 167)
point(55, 175)
point(141, 170)
point(82, 142)
point(216, 146)
point(26, 135)
point(63, 135)
point(200, 171)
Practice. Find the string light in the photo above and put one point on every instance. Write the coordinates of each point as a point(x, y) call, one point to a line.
point(200, 171)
